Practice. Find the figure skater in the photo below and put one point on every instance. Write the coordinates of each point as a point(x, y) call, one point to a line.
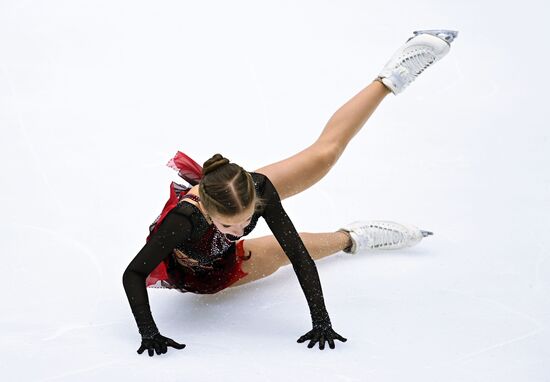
point(196, 245)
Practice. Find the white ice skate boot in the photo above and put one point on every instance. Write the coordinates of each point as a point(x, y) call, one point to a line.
point(382, 234)
point(419, 52)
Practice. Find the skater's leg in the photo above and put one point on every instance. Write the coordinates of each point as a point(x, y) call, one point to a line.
point(266, 255)
point(300, 171)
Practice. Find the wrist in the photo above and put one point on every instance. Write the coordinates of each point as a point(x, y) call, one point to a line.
point(148, 330)
point(321, 320)
point(322, 324)
point(149, 334)
point(145, 323)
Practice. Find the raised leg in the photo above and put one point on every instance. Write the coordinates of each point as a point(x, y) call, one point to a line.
point(300, 171)
point(266, 255)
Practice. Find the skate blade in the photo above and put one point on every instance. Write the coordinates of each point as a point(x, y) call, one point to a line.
point(444, 34)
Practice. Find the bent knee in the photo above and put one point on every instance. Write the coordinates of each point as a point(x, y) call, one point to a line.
point(327, 152)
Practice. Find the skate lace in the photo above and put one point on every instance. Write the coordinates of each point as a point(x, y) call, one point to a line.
point(415, 62)
point(383, 236)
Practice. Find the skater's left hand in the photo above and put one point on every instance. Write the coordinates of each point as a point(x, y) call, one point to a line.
point(321, 333)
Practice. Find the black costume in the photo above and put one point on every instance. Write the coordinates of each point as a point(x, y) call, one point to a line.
point(184, 226)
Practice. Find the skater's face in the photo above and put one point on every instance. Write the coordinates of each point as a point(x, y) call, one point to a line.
point(233, 225)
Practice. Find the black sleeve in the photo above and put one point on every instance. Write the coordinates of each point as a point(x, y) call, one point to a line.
point(174, 229)
point(289, 239)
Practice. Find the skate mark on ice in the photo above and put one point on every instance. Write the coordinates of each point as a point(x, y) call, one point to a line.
point(27, 139)
point(539, 329)
point(80, 371)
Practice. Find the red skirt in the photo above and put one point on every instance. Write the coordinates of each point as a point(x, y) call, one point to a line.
point(172, 275)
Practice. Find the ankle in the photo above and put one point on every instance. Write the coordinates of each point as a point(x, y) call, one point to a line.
point(347, 241)
point(379, 80)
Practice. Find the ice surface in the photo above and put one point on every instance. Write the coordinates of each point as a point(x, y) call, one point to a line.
point(95, 97)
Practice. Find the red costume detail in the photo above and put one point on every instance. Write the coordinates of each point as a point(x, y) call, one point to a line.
point(191, 172)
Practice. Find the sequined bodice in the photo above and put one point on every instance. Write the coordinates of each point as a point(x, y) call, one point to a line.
point(208, 244)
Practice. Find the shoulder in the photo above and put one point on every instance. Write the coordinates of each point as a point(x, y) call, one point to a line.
point(259, 179)
point(188, 210)
point(264, 187)
point(266, 191)
point(184, 209)
point(183, 216)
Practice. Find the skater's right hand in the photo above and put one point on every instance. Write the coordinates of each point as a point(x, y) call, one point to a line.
point(158, 344)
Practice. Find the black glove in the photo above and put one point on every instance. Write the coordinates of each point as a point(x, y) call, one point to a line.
point(322, 331)
point(151, 339)
point(158, 344)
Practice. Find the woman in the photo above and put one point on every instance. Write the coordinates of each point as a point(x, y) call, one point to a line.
point(195, 244)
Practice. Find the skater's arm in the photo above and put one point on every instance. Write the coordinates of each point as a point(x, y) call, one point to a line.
point(174, 229)
point(284, 231)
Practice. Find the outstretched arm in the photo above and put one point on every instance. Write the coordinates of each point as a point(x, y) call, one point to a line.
point(284, 231)
point(171, 231)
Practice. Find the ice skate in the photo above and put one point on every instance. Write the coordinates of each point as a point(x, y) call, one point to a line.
point(381, 234)
point(418, 53)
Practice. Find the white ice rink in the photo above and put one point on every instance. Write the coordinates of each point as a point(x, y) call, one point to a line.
point(96, 97)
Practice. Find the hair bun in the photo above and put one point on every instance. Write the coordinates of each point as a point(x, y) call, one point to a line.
point(214, 163)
